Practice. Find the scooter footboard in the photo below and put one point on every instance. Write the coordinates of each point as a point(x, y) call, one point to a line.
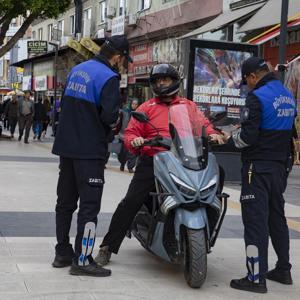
point(196, 219)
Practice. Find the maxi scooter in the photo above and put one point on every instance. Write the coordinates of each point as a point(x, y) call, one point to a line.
point(183, 221)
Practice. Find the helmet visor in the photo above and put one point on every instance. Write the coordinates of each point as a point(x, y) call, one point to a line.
point(160, 69)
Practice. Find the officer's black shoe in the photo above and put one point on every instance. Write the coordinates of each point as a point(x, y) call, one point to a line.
point(90, 270)
point(62, 261)
point(245, 284)
point(280, 276)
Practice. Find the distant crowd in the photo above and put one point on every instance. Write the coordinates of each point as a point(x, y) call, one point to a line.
point(27, 113)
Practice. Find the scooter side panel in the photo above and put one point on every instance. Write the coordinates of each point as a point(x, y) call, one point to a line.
point(157, 246)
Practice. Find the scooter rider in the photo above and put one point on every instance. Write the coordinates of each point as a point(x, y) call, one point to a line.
point(164, 82)
point(264, 138)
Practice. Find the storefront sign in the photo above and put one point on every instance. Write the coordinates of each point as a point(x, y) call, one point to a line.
point(142, 61)
point(123, 81)
point(118, 26)
point(51, 93)
point(40, 83)
point(26, 84)
point(37, 47)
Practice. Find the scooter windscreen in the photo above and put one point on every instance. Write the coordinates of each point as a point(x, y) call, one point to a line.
point(187, 136)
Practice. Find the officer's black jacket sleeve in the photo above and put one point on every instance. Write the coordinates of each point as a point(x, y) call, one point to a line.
point(110, 101)
point(248, 134)
point(250, 128)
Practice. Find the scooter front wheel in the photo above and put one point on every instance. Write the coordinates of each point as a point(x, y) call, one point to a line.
point(195, 257)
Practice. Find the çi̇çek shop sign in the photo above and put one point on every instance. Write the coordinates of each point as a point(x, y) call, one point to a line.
point(37, 47)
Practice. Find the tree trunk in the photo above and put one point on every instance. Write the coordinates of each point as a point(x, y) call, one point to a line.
point(19, 34)
point(4, 27)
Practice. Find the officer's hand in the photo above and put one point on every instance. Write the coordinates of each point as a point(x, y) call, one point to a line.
point(217, 138)
point(137, 142)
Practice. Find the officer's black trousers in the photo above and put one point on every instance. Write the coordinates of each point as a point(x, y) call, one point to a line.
point(263, 211)
point(78, 178)
point(141, 185)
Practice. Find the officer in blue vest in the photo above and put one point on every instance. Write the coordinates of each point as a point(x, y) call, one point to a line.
point(265, 142)
point(90, 107)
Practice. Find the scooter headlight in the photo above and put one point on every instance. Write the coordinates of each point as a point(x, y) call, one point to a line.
point(205, 191)
point(183, 187)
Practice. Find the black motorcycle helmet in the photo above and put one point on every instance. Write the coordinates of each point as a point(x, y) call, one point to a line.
point(164, 70)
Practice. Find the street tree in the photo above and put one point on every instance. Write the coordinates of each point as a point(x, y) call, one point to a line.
point(30, 10)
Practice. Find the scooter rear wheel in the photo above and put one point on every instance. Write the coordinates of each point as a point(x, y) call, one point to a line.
point(195, 257)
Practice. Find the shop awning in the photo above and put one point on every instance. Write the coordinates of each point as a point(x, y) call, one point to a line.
point(272, 33)
point(224, 19)
point(21, 63)
point(297, 57)
point(270, 15)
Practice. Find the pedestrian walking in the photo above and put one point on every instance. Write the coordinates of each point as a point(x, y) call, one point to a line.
point(38, 119)
point(89, 108)
point(265, 141)
point(47, 107)
point(26, 109)
point(126, 156)
point(12, 114)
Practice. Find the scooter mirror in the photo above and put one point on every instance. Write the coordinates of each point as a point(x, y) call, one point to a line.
point(140, 116)
point(218, 116)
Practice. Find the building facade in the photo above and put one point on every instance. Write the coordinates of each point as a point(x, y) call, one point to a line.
point(152, 28)
point(11, 76)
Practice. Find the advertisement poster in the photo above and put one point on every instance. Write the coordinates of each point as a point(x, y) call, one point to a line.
point(217, 85)
point(292, 82)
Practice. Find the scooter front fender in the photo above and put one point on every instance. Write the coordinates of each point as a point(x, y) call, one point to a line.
point(196, 219)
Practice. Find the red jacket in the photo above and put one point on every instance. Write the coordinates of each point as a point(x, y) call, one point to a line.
point(158, 116)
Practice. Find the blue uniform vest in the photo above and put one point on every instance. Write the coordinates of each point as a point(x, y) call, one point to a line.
point(86, 81)
point(278, 106)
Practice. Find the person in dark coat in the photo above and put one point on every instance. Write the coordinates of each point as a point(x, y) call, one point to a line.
point(12, 114)
point(38, 119)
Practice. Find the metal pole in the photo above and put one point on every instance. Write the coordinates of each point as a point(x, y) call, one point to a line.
point(55, 87)
point(282, 40)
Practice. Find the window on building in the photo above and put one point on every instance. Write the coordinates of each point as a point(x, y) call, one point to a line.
point(144, 4)
point(122, 9)
point(102, 11)
point(72, 24)
point(13, 22)
point(50, 30)
point(40, 34)
point(61, 26)
point(33, 35)
point(87, 14)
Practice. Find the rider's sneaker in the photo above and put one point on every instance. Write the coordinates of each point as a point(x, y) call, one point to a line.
point(62, 261)
point(90, 270)
point(103, 256)
point(245, 284)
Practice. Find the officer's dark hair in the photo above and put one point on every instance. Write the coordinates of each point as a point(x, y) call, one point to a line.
point(108, 51)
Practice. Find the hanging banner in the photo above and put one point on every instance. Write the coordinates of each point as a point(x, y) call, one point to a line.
point(26, 84)
point(118, 26)
point(40, 83)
